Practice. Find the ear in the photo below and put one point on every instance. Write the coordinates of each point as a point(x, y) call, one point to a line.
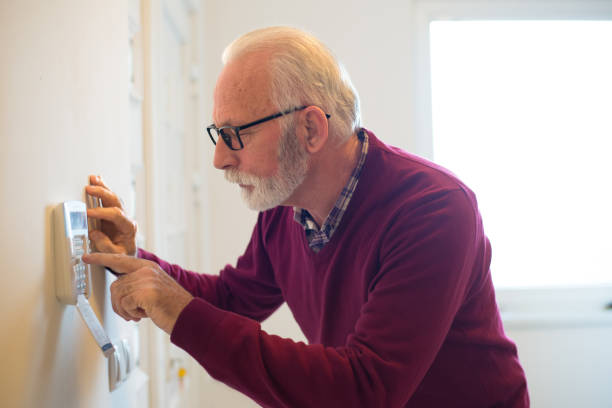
point(315, 122)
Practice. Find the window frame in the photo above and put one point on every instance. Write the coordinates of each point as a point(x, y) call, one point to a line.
point(520, 307)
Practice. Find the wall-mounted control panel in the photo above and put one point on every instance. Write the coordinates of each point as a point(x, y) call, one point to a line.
point(73, 282)
point(71, 242)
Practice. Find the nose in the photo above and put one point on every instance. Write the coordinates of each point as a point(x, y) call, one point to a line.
point(224, 157)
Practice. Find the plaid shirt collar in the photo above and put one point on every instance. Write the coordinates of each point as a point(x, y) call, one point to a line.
point(318, 237)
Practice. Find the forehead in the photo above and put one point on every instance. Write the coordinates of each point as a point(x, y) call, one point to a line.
point(242, 91)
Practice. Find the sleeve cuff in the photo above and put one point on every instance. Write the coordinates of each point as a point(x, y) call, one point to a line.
point(195, 326)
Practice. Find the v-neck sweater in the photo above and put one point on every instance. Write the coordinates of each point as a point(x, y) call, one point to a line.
point(398, 307)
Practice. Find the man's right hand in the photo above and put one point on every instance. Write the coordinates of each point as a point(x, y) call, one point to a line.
point(117, 234)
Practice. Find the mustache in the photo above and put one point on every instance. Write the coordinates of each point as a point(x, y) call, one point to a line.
point(237, 177)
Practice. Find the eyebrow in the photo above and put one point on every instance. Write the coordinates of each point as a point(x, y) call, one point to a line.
point(228, 122)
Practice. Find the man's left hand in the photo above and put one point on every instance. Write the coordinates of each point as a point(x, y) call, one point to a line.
point(143, 290)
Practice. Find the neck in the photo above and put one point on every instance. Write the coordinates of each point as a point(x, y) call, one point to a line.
point(329, 172)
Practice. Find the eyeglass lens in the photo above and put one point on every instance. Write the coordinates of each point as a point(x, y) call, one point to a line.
point(229, 137)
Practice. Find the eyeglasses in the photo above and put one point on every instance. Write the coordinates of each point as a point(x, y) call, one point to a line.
point(231, 134)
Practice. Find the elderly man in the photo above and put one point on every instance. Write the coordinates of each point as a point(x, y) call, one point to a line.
point(380, 255)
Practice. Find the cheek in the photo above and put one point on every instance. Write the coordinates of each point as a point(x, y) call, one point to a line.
point(260, 157)
point(262, 164)
point(267, 167)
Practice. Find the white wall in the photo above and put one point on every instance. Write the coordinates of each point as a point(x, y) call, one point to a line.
point(63, 106)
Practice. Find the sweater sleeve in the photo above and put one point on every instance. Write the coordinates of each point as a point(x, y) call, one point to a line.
point(249, 289)
point(425, 255)
point(199, 285)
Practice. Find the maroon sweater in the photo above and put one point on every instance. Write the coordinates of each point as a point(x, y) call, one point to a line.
point(398, 308)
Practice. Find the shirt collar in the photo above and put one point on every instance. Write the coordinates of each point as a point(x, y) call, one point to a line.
point(319, 237)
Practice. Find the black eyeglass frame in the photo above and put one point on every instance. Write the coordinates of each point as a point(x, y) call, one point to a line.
point(237, 129)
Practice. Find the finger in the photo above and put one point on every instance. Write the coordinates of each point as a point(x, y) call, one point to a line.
point(95, 180)
point(114, 215)
point(127, 291)
point(123, 309)
point(130, 304)
point(118, 262)
point(109, 199)
point(119, 311)
point(122, 302)
point(103, 243)
point(115, 290)
point(140, 313)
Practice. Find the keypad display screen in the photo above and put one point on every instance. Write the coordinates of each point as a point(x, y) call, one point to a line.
point(78, 220)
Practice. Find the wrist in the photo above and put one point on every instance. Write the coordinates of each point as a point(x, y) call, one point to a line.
point(180, 306)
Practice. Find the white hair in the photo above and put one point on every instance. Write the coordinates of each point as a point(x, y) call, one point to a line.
point(303, 71)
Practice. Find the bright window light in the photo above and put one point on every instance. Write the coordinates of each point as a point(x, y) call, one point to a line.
point(522, 112)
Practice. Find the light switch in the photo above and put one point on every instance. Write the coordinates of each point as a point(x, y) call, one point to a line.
point(113, 370)
point(119, 364)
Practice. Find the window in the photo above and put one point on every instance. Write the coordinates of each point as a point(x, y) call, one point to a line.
point(522, 112)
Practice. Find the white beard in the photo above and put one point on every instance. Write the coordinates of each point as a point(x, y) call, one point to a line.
point(269, 192)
